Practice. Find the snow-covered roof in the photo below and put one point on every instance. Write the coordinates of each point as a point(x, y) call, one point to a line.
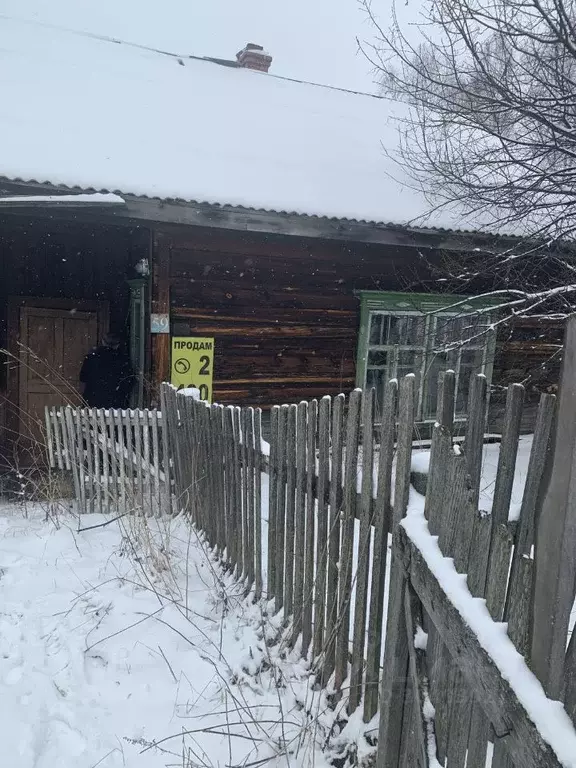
point(81, 111)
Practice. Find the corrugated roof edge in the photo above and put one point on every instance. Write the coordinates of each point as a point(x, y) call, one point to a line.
point(225, 206)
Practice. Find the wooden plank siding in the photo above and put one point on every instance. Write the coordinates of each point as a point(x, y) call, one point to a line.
point(284, 315)
point(528, 352)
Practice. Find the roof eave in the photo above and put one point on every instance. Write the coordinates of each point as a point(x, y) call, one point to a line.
point(199, 214)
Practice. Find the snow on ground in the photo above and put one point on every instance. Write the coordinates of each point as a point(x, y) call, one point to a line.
point(125, 645)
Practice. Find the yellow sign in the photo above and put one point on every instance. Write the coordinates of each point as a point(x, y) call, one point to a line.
point(193, 364)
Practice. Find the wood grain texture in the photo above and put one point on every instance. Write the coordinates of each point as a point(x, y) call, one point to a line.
point(347, 547)
point(508, 453)
point(382, 524)
point(334, 535)
point(395, 668)
point(494, 694)
point(290, 511)
point(555, 555)
point(309, 570)
point(440, 450)
point(281, 506)
point(418, 676)
point(300, 519)
point(272, 502)
point(541, 447)
point(322, 524)
point(363, 550)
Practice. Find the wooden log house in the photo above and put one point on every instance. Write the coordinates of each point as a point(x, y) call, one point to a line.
point(288, 244)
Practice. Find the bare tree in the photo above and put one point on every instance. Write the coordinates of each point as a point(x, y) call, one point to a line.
point(490, 127)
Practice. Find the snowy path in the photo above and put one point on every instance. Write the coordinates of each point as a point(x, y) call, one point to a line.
point(97, 661)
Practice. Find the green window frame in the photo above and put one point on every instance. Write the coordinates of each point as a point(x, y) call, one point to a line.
point(424, 334)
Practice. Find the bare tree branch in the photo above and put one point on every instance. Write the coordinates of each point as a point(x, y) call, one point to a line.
point(490, 129)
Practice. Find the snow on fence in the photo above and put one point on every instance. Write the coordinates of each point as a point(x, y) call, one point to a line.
point(464, 691)
point(119, 458)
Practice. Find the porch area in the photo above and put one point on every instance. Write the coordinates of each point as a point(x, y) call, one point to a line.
point(65, 284)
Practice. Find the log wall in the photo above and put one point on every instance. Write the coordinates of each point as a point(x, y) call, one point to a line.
point(285, 315)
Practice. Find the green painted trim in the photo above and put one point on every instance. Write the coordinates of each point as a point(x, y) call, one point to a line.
point(403, 303)
point(362, 346)
point(421, 302)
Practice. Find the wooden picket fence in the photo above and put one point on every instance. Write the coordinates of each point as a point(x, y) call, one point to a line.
point(217, 463)
point(306, 522)
point(472, 702)
point(118, 458)
point(323, 532)
point(315, 524)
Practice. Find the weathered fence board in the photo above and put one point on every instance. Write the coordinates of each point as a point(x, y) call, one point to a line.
point(347, 546)
point(323, 475)
point(363, 550)
point(382, 526)
point(555, 553)
point(300, 520)
point(394, 672)
point(496, 697)
point(310, 533)
point(334, 536)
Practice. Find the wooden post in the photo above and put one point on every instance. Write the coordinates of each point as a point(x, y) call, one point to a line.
point(346, 552)
point(74, 462)
point(322, 524)
point(363, 561)
point(474, 440)
point(300, 521)
point(258, 502)
point(440, 449)
point(281, 506)
point(290, 510)
point(156, 455)
point(555, 555)
point(272, 503)
point(249, 479)
point(237, 459)
point(145, 458)
point(310, 526)
point(395, 670)
point(169, 496)
point(540, 449)
point(334, 536)
point(160, 304)
point(508, 453)
point(231, 529)
point(382, 523)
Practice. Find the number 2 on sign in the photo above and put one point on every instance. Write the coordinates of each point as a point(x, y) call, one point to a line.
point(192, 363)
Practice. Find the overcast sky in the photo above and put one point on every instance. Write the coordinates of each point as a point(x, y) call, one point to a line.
point(308, 39)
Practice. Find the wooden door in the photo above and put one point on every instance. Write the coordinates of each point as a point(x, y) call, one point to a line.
point(53, 344)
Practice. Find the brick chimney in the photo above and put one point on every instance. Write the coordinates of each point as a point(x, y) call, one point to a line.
point(254, 57)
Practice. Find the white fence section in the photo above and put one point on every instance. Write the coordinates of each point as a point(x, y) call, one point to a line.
point(119, 458)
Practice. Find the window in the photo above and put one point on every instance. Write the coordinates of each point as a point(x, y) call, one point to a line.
point(421, 334)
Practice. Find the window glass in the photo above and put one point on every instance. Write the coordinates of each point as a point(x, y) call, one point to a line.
point(425, 344)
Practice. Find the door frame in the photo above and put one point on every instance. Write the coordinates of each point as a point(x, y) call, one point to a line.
point(13, 332)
